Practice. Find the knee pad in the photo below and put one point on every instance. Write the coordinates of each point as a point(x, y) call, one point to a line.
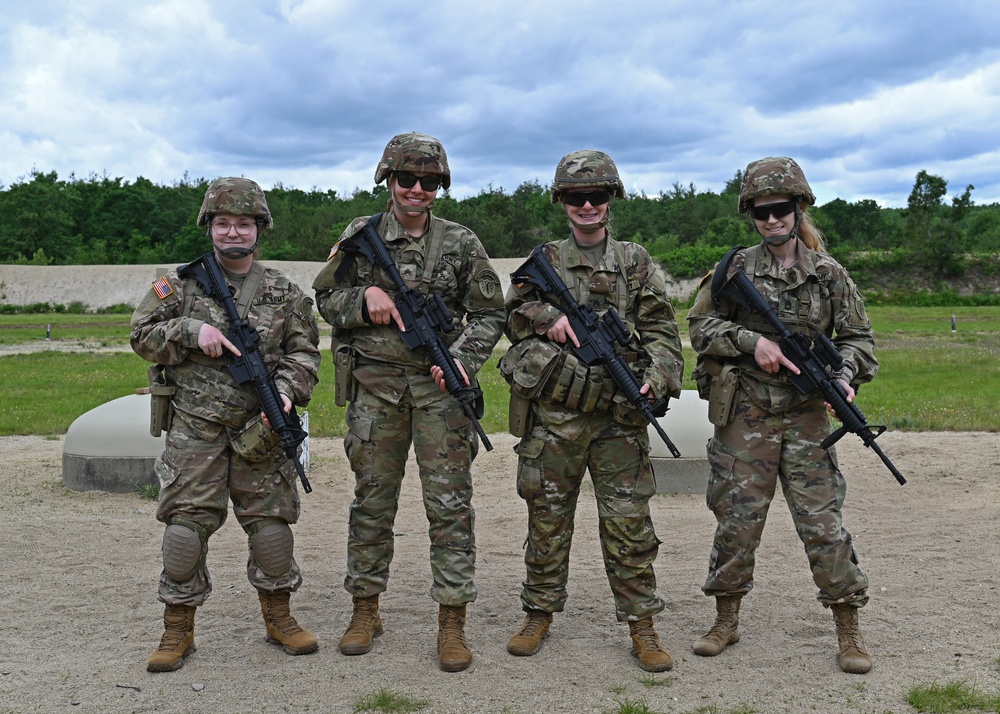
point(184, 547)
point(272, 544)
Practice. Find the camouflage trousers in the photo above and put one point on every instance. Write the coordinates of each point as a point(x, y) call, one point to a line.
point(199, 474)
point(377, 445)
point(748, 457)
point(549, 475)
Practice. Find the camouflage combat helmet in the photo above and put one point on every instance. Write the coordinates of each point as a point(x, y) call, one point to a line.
point(583, 169)
point(416, 152)
point(773, 176)
point(239, 196)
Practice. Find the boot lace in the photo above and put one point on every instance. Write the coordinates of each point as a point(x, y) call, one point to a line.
point(174, 631)
point(849, 635)
point(281, 618)
point(532, 624)
point(451, 629)
point(363, 617)
point(647, 635)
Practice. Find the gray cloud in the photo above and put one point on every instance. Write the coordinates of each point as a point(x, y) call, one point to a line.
point(307, 93)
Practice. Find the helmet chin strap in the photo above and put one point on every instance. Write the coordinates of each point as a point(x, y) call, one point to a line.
point(781, 239)
point(410, 209)
point(237, 253)
point(589, 228)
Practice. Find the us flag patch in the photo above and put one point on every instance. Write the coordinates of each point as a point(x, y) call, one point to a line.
point(161, 286)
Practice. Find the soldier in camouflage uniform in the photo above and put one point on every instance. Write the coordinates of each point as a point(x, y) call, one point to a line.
point(397, 397)
point(766, 431)
point(572, 419)
point(219, 447)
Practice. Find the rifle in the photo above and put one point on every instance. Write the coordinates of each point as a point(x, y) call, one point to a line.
point(596, 336)
point(812, 357)
point(423, 318)
point(249, 367)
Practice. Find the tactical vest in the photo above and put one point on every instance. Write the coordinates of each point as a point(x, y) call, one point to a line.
point(230, 404)
point(799, 308)
point(434, 249)
point(537, 368)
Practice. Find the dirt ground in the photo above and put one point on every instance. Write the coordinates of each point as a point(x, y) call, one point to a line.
point(79, 613)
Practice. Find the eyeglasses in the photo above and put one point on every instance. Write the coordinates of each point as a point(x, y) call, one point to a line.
point(428, 183)
point(579, 198)
point(243, 228)
point(778, 210)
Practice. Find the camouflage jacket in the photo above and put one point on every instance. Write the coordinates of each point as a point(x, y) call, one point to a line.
point(280, 312)
point(625, 278)
point(815, 295)
point(463, 277)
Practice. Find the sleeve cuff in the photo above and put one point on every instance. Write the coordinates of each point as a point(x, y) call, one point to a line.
point(546, 318)
point(190, 331)
point(746, 340)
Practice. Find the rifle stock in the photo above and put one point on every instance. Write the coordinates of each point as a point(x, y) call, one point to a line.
point(596, 336)
point(424, 320)
point(812, 357)
point(249, 367)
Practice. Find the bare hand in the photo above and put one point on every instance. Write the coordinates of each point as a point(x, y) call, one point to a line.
point(770, 357)
point(562, 332)
point(381, 308)
point(438, 374)
point(212, 342)
point(850, 396)
point(286, 406)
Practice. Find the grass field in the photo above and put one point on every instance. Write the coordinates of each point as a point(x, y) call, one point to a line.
point(931, 379)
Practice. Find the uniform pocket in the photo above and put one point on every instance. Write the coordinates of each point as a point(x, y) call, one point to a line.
point(721, 462)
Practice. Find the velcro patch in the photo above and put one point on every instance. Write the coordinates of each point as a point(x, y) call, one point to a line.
point(161, 286)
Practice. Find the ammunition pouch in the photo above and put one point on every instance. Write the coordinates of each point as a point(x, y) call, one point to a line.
point(722, 395)
point(528, 365)
point(344, 384)
point(627, 414)
point(161, 409)
point(255, 441)
point(538, 369)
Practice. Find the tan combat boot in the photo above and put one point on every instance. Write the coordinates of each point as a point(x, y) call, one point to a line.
point(177, 641)
point(528, 640)
point(646, 646)
point(364, 627)
point(453, 649)
point(854, 656)
point(725, 631)
point(282, 629)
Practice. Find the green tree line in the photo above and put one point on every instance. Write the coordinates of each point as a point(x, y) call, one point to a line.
point(103, 220)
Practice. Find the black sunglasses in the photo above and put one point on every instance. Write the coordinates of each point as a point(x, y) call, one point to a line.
point(578, 198)
point(427, 183)
point(778, 210)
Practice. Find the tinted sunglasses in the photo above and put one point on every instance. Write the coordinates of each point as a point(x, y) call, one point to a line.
point(578, 198)
point(428, 183)
point(778, 210)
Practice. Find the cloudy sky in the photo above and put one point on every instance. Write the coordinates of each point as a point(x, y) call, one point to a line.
point(864, 93)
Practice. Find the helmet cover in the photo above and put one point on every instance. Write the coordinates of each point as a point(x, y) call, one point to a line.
point(773, 176)
point(415, 152)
